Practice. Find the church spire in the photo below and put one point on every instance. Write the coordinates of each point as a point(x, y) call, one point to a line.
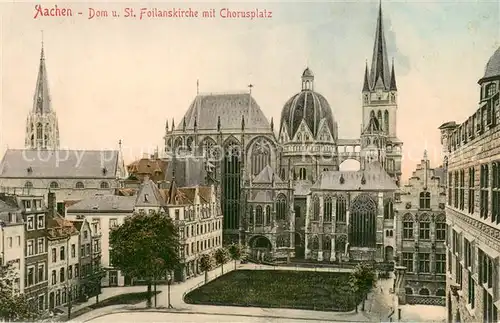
point(42, 130)
point(379, 73)
point(393, 86)
point(366, 85)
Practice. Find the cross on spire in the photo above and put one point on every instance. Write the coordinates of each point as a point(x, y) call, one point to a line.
point(250, 86)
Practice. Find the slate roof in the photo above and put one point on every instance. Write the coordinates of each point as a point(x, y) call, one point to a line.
point(189, 171)
point(58, 227)
point(28, 163)
point(266, 176)
point(373, 178)
point(104, 203)
point(492, 68)
point(149, 195)
point(207, 108)
point(261, 196)
point(155, 168)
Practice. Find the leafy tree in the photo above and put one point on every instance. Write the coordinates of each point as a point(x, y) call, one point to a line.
point(364, 278)
point(206, 264)
point(145, 245)
point(14, 307)
point(235, 252)
point(221, 256)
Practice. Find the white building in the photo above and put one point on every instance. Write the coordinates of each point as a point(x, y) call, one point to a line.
point(12, 244)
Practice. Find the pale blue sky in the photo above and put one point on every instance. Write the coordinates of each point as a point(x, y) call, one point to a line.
point(114, 79)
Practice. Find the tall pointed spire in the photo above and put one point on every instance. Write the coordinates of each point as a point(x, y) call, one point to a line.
point(41, 99)
point(379, 73)
point(366, 85)
point(393, 86)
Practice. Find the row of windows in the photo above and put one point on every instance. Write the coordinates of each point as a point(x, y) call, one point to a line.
point(202, 245)
point(489, 181)
point(40, 222)
point(55, 185)
point(32, 249)
point(425, 292)
point(34, 276)
point(422, 262)
point(424, 230)
point(328, 216)
point(202, 228)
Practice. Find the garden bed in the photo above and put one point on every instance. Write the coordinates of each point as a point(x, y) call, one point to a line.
point(323, 291)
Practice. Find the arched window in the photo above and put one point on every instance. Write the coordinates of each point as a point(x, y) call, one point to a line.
point(408, 226)
point(231, 182)
point(189, 143)
point(282, 174)
point(441, 292)
point(314, 243)
point(250, 215)
point(379, 117)
point(327, 243)
point(54, 185)
point(302, 174)
point(32, 141)
point(281, 208)
point(363, 226)
point(408, 291)
point(45, 141)
point(261, 156)
point(425, 200)
point(341, 209)
point(315, 210)
point(372, 114)
point(327, 209)
point(79, 185)
point(39, 134)
point(104, 185)
point(259, 216)
point(280, 242)
point(208, 145)
point(177, 143)
point(424, 292)
point(386, 121)
point(268, 215)
point(424, 227)
point(388, 210)
point(28, 185)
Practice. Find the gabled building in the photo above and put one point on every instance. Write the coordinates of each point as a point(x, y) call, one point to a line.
point(420, 235)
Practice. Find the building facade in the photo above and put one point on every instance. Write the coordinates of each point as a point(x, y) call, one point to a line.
point(12, 244)
point(420, 235)
point(472, 208)
point(235, 137)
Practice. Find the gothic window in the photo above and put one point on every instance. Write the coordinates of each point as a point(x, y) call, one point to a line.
point(45, 141)
point(363, 229)
point(104, 185)
point(281, 207)
point(386, 121)
point(341, 208)
point(379, 118)
point(261, 156)
point(280, 242)
point(39, 133)
point(169, 144)
point(208, 145)
point(302, 174)
point(28, 185)
point(79, 185)
point(32, 141)
point(299, 137)
point(315, 210)
point(231, 181)
point(268, 215)
point(282, 174)
point(54, 185)
point(314, 243)
point(250, 215)
point(425, 200)
point(259, 216)
point(372, 114)
point(366, 98)
point(189, 143)
point(408, 227)
point(388, 210)
point(327, 209)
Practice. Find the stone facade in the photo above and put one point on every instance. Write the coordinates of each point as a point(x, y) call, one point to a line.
point(12, 244)
point(472, 210)
point(421, 234)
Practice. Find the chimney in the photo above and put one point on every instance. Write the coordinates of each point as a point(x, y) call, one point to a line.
point(51, 204)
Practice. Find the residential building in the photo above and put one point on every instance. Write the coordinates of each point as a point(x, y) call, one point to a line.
point(103, 212)
point(12, 244)
point(472, 210)
point(63, 261)
point(234, 136)
point(420, 235)
point(33, 211)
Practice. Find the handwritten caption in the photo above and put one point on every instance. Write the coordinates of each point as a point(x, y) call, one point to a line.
point(42, 11)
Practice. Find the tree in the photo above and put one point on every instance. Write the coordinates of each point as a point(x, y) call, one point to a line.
point(206, 264)
point(144, 245)
point(221, 256)
point(14, 307)
point(235, 252)
point(364, 278)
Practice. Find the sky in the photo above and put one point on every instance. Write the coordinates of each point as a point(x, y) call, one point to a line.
point(120, 78)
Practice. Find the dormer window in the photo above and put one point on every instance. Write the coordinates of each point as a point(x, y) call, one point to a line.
point(146, 198)
point(79, 185)
point(29, 170)
point(28, 185)
point(363, 180)
point(104, 171)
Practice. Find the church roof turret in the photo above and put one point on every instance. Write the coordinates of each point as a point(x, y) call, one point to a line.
point(41, 99)
point(393, 86)
point(366, 84)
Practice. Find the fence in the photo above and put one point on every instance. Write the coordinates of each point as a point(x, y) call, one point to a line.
point(426, 300)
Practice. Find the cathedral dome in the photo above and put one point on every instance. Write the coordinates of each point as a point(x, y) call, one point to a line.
point(493, 66)
point(309, 106)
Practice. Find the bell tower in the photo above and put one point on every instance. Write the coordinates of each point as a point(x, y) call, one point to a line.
point(379, 97)
point(42, 129)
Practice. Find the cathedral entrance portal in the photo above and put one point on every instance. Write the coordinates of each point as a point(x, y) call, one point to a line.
point(260, 247)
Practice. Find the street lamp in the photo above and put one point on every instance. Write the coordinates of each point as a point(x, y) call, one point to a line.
point(169, 282)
